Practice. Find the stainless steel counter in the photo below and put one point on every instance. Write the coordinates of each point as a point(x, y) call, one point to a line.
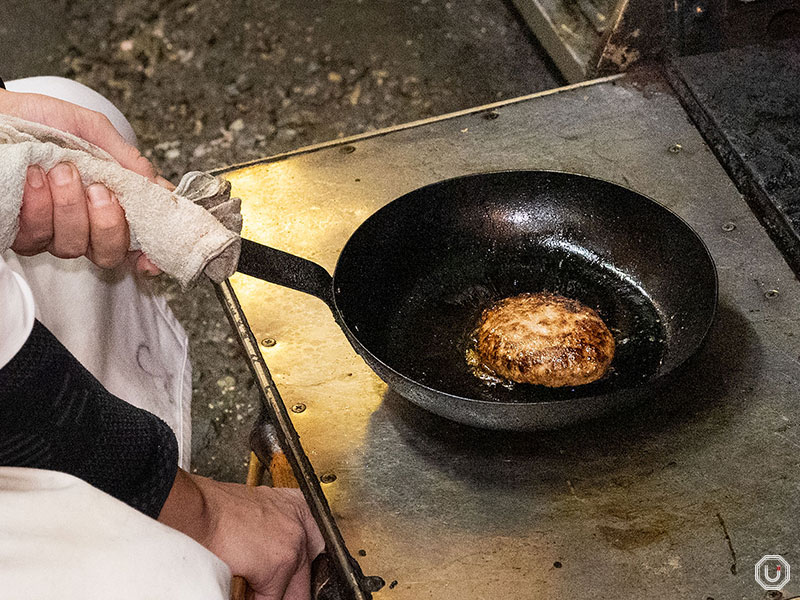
point(677, 499)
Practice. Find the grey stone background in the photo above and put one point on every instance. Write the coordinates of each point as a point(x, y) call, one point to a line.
point(208, 83)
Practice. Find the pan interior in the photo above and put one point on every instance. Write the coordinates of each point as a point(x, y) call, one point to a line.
point(446, 304)
point(413, 280)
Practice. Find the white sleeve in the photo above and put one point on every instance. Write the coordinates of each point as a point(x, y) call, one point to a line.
point(16, 313)
point(61, 538)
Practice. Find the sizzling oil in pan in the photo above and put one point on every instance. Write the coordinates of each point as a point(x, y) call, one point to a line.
point(433, 328)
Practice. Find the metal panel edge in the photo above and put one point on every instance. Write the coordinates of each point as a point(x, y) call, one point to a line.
point(274, 411)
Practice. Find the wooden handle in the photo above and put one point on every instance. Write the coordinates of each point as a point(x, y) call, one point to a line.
point(238, 588)
point(281, 471)
point(255, 471)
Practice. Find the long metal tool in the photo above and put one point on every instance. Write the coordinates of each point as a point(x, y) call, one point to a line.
point(274, 420)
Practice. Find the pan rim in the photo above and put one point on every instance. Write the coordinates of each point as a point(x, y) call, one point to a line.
point(369, 356)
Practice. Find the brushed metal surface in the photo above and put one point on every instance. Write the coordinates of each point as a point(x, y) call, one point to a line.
point(635, 505)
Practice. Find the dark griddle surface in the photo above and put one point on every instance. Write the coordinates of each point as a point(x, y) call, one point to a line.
point(746, 102)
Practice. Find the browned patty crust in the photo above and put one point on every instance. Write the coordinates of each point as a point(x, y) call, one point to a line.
point(544, 339)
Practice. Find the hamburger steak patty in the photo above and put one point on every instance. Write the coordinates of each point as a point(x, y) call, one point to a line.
point(544, 339)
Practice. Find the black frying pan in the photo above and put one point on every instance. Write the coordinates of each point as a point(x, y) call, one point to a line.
point(411, 282)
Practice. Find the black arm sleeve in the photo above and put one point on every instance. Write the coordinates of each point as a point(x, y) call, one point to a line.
point(55, 415)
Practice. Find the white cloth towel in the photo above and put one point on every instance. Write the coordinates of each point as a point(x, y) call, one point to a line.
point(178, 235)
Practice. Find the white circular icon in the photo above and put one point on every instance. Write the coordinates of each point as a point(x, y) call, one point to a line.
point(772, 572)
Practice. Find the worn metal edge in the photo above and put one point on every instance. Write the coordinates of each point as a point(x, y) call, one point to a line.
point(274, 410)
point(613, 25)
point(637, 33)
point(573, 67)
point(418, 123)
point(776, 224)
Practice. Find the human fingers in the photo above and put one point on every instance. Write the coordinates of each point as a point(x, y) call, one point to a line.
point(142, 265)
point(166, 183)
point(88, 124)
point(36, 215)
point(294, 503)
point(287, 572)
point(108, 230)
point(315, 543)
point(70, 214)
point(275, 559)
point(299, 587)
point(96, 128)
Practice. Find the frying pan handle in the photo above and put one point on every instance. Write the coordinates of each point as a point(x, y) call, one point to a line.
point(287, 270)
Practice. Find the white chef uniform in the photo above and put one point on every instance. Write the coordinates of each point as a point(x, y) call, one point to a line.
point(58, 535)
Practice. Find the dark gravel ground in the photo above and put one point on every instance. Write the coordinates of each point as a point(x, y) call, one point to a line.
point(207, 83)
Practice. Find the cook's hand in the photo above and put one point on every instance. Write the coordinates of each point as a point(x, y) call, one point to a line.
point(266, 535)
point(58, 215)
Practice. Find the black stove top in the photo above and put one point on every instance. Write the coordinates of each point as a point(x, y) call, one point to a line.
point(746, 102)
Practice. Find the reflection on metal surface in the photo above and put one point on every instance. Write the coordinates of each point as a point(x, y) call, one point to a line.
point(444, 511)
